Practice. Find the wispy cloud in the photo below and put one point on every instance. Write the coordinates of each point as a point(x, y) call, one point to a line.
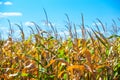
point(8, 14)
point(8, 3)
point(64, 33)
point(0, 3)
point(3, 28)
point(45, 23)
point(94, 24)
point(29, 23)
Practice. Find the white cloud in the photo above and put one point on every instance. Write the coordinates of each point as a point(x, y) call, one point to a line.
point(3, 28)
point(8, 3)
point(93, 24)
point(44, 23)
point(29, 23)
point(64, 32)
point(78, 30)
point(17, 31)
point(1, 3)
point(7, 14)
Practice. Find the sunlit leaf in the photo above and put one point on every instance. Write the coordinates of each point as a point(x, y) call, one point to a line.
point(24, 74)
point(51, 62)
point(13, 75)
point(80, 67)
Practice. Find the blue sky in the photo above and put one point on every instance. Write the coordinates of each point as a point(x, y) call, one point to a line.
point(32, 10)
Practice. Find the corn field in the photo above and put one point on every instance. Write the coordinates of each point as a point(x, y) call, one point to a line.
point(47, 56)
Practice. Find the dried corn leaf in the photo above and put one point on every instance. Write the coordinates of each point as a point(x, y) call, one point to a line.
point(51, 62)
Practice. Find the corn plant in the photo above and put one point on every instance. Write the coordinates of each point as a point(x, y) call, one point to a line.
point(93, 56)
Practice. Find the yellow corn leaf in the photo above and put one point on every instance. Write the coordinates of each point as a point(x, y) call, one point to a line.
point(44, 54)
point(89, 68)
point(51, 62)
point(80, 67)
point(78, 42)
point(60, 74)
point(88, 56)
point(95, 58)
point(100, 66)
point(62, 61)
point(3, 49)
